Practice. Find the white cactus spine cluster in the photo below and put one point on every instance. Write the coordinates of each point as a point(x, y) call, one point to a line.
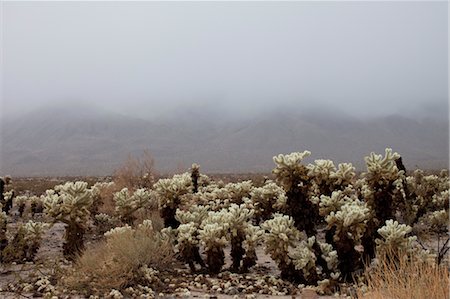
point(289, 167)
point(351, 220)
point(394, 238)
point(381, 168)
point(267, 198)
point(127, 203)
point(344, 174)
point(71, 204)
point(281, 234)
point(34, 231)
point(170, 190)
point(304, 258)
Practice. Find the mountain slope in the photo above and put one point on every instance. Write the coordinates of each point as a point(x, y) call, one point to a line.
point(81, 141)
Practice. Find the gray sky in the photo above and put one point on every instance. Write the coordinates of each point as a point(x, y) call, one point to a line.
point(367, 58)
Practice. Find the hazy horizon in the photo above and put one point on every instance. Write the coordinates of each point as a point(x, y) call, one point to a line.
point(224, 84)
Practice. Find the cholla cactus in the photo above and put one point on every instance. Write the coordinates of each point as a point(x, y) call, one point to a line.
point(25, 243)
point(267, 200)
point(334, 202)
point(304, 260)
point(344, 175)
point(424, 194)
point(117, 231)
point(170, 192)
point(188, 244)
point(293, 176)
point(237, 218)
point(393, 238)
point(253, 236)
point(289, 170)
point(187, 234)
point(385, 190)
point(20, 202)
point(382, 169)
point(212, 235)
point(236, 192)
point(3, 238)
point(320, 173)
point(8, 200)
point(385, 179)
point(36, 205)
point(350, 220)
point(127, 204)
point(70, 206)
point(349, 224)
point(281, 234)
point(395, 244)
point(195, 214)
point(195, 175)
point(104, 222)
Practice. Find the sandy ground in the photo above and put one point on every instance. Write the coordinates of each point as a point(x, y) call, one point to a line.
point(50, 256)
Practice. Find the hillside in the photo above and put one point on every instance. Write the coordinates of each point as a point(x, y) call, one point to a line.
point(63, 141)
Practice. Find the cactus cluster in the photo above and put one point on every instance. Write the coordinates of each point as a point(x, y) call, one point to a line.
point(70, 204)
point(127, 203)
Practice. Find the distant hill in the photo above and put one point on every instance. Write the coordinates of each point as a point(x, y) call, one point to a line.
point(88, 141)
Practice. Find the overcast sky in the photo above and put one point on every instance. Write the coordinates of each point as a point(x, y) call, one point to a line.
point(143, 58)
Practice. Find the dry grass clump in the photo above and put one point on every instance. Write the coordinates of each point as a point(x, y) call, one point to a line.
point(406, 278)
point(136, 173)
point(119, 261)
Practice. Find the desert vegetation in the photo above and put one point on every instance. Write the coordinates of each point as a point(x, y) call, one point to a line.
point(319, 227)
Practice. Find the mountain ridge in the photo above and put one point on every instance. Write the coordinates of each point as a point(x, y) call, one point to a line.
point(73, 141)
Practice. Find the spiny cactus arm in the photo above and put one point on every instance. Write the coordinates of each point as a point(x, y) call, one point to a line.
point(280, 235)
point(304, 258)
point(289, 168)
point(344, 174)
point(321, 170)
point(383, 168)
point(351, 220)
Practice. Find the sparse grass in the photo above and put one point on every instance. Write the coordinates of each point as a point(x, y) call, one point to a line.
point(408, 278)
point(136, 173)
point(116, 262)
point(107, 204)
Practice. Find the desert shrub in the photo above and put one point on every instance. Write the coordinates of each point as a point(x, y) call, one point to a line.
point(70, 206)
point(126, 258)
point(97, 190)
point(404, 277)
point(136, 173)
